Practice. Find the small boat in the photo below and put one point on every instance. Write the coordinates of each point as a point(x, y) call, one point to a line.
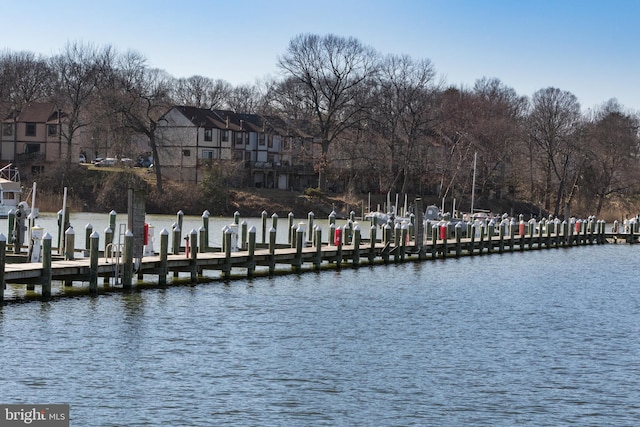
point(11, 192)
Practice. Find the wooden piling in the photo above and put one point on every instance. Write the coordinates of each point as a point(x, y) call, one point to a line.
point(264, 226)
point(372, 243)
point(226, 268)
point(310, 218)
point(202, 232)
point(88, 230)
point(93, 262)
point(193, 260)
point(272, 250)
point(290, 227)
point(204, 243)
point(251, 263)
point(3, 262)
point(127, 260)
point(164, 256)
point(356, 245)
point(244, 235)
point(317, 262)
point(46, 266)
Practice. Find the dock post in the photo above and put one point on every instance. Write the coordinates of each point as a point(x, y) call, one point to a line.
point(332, 217)
point(3, 262)
point(293, 232)
point(88, 230)
point(397, 239)
point(112, 219)
point(205, 224)
point(332, 234)
point(404, 237)
point(490, 232)
point(501, 232)
point(458, 234)
point(471, 231)
point(226, 269)
point(481, 234)
point(300, 232)
point(176, 240)
point(179, 218)
point(108, 240)
point(274, 221)
point(318, 240)
point(70, 239)
point(11, 220)
point(272, 250)
point(386, 238)
point(203, 237)
point(434, 240)
point(243, 235)
point(356, 245)
point(251, 261)
point(164, 255)
point(94, 240)
point(541, 226)
point(264, 226)
point(193, 261)
point(46, 266)
point(512, 234)
point(289, 227)
point(372, 243)
point(127, 260)
point(339, 254)
point(310, 217)
point(236, 218)
point(550, 231)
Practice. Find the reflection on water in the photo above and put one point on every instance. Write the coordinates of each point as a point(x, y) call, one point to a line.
point(536, 338)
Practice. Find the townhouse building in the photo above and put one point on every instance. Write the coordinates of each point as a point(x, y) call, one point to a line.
point(262, 151)
point(33, 136)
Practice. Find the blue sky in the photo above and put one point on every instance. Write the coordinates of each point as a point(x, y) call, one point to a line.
point(585, 47)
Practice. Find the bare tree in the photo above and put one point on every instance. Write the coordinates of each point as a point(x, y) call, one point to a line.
point(553, 122)
point(78, 69)
point(139, 98)
point(24, 78)
point(202, 92)
point(612, 145)
point(497, 134)
point(404, 113)
point(331, 71)
point(244, 99)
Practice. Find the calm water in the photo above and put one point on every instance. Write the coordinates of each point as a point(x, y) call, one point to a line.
point(537, 338)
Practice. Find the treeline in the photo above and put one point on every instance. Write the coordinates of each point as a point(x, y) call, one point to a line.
point(378, 123)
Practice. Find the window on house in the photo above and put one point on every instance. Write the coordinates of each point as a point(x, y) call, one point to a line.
point(239, 138)
point(7, 129)
point(186, 153)
point(225, 135)
point(208, 134)
point(207, 154)
point(31, 148)
point(270, 141)
point(261, 139)
point(52, 130)
point(30, 129)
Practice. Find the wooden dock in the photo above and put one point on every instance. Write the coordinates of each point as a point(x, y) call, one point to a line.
point(343, 248)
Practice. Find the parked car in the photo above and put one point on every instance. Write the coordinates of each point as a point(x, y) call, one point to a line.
point(83, 158)
point(109, 161)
